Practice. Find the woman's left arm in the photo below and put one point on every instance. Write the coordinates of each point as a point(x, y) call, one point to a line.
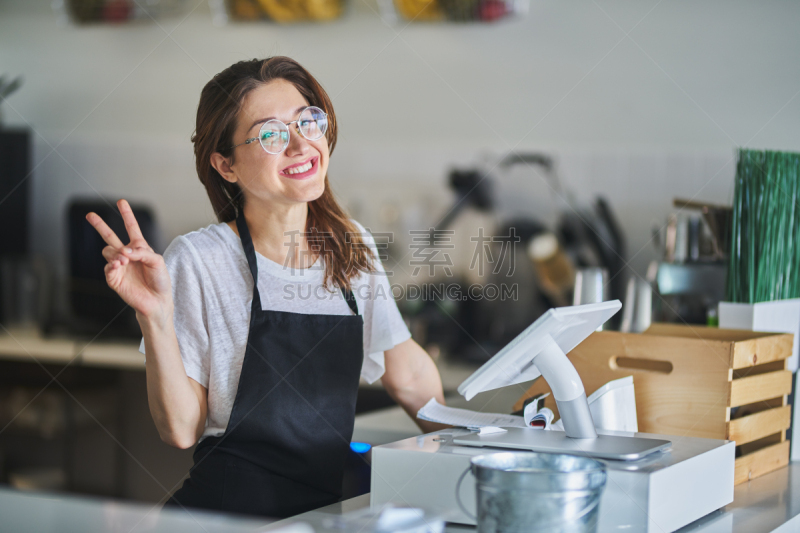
point(412, 379)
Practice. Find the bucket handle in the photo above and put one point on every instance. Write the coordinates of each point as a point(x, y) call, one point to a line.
point(458, 494)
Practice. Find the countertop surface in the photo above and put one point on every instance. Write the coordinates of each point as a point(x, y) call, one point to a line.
point(770, 503)
point(30, 345)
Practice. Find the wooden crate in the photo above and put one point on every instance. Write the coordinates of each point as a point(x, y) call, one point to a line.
point(699, 382)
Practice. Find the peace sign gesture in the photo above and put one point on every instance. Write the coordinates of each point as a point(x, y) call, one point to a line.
point(135, 272)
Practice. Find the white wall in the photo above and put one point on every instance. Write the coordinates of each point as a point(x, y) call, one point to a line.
point(640, 118)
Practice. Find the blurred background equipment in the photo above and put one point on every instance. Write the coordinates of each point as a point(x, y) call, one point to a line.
point(96, 308)
point(56, 436)
point(689, 291)
point(7, 87)
point(591, 286)
point(590, 236)
point(21, 275)
point(637, 309)
point(26, 291)
point(593, 237)
point(473, 188)
point(553, 268)
point(713, 240)
point(690, 277)
point(586, 237)
point(536, 263)
point(15, 167)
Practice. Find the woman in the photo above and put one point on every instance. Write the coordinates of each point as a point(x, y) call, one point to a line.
point(257, 329)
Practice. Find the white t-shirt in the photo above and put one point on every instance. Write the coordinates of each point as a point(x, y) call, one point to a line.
point(213, 290)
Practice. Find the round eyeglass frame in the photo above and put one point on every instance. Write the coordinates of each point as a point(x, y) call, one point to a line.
point(288, 129)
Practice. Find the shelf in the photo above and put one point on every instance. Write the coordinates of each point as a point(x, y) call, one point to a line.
point(29, 345)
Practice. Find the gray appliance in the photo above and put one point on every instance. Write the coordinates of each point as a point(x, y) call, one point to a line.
point(661, 492)
point(95, 309)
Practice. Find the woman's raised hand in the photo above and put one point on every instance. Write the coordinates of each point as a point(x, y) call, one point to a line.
point(135, 272)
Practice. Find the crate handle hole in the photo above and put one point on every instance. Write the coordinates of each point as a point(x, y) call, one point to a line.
point(646, 365)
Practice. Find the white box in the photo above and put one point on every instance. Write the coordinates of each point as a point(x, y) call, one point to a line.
point(660, 493)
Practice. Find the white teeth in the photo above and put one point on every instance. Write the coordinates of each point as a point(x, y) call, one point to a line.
point(300, 169)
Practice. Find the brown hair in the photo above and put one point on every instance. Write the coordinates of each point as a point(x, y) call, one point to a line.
point(329, 231)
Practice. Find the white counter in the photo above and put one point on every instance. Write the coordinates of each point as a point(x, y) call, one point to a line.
point(770, 503)
point(767, 504)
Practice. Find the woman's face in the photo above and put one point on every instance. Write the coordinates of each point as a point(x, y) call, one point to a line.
point(266, 176)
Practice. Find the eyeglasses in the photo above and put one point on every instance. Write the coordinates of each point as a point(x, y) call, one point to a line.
point(274, 134)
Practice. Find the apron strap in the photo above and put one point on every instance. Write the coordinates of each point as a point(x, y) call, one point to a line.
point(351, 300)
point(250, 254)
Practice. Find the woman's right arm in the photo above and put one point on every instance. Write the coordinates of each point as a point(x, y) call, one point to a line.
point(177, 403)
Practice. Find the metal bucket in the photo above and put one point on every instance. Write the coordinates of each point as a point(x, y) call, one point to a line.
point(524, 492)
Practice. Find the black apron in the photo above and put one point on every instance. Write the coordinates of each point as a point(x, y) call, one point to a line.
point(289, 432)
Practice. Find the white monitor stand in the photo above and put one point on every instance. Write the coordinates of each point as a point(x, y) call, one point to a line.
point(541, 350)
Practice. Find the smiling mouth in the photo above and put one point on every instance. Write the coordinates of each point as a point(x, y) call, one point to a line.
point(301, 169)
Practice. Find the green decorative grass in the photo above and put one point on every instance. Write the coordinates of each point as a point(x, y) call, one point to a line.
point(764, 260)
